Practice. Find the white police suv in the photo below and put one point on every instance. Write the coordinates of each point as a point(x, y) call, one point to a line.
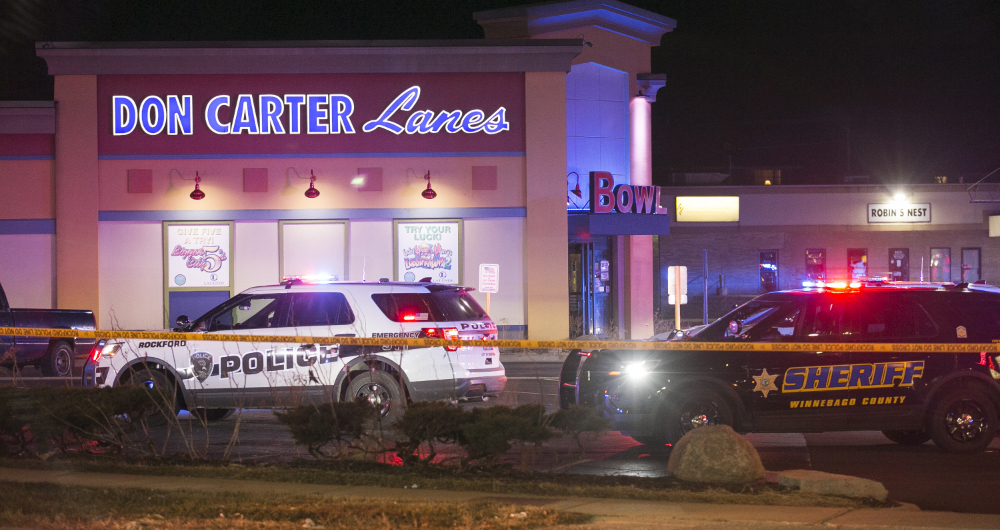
point(212, 378)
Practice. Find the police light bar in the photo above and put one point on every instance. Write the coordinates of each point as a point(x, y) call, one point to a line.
point(309, 278)
point(831, 285)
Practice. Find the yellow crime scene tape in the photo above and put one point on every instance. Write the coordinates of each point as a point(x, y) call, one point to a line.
point(586, 345)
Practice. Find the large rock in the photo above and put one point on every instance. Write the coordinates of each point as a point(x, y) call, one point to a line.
point(715, 454)
point(831, 484)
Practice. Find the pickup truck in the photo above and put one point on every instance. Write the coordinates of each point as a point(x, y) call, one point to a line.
point(54, 357)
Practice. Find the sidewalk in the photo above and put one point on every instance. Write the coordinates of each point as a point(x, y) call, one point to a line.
point(611, 513)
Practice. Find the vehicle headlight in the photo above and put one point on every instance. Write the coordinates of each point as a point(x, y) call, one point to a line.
point(636, 369)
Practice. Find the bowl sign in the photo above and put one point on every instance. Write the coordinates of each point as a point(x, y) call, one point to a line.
point(489, 277)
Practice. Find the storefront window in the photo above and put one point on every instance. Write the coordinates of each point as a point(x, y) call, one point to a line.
point(768, 271)
point(857, 263)
point(816, 263)
point(899, 264)
point(940, 264)
point(970, 265)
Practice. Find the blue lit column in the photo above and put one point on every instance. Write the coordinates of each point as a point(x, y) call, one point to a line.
point(639, 281)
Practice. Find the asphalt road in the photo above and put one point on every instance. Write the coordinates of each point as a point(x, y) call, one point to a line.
point(922, 475)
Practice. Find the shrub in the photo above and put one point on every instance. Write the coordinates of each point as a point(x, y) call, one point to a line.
point(316, 426)
point(577, 420)
point(429, 422)
point(40, 421)
point(489, 434)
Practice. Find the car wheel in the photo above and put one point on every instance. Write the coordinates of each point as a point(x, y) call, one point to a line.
point(382, 391)
point(907, 437)
point(700, 408)
point(163, 392)
point(963, 421)
point(211, 415)
point(58, 361)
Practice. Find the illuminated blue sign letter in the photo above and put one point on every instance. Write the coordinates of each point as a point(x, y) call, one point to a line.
point(341, 108)
point(180, 115)
point(152, 115)
point(245, 116)
point(315, 112)
point(124, 114)
point(271, 108)
point(404, 101)
point(212, 115)
point(294, 102)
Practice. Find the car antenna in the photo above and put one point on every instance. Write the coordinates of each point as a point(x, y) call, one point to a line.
point(364, 262)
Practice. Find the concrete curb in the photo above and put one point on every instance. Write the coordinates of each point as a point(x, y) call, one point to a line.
point(610, 513)
point(832, 484)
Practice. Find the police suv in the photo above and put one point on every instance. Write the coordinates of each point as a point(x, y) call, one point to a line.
point(927, 388)
point(212, 378)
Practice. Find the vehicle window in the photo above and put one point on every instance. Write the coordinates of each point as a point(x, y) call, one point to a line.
point(825, 320)
point(438, 306)
point(242, 312)
point(749, 315)
point(783, 328)
point(319, 309)
point(880, 318)
point(981, 319)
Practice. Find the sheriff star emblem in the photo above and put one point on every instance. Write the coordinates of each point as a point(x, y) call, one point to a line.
point(765, 383)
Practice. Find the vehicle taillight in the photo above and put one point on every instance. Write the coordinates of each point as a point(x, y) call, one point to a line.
point(98, 351)
point(410, 318)
point(450, 334)
point(441, 333)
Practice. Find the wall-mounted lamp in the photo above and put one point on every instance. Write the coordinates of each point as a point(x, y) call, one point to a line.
point(312, 192)
point(197, 194)
point(428, 193)
point(575, 191)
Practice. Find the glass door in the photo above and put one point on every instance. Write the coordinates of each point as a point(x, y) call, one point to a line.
point(970, 265)
point(899, 264)
point(590, 287)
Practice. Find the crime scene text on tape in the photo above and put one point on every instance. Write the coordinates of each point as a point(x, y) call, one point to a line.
point(515, 344)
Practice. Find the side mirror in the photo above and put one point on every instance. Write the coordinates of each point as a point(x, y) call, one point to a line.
point(183, 321)
point(734, 328)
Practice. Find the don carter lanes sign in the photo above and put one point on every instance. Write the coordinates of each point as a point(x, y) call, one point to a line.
point(294, 114)
point(899, 213)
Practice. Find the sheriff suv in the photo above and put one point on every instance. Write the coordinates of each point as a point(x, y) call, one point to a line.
point(924, 389)
point(212, 378)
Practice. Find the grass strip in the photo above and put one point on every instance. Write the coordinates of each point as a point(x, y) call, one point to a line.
point(49, 506)
point(504, 481)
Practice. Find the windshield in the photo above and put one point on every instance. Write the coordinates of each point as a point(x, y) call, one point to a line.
point(749, 315)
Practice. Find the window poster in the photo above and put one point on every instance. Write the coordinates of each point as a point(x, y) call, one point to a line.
point(428, 249)
point(198, 255)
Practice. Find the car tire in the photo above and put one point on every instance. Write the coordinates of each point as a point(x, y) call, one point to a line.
point(963, 421)
point(58, 362)
point(382, 391)
point(699, 408)
point(907, 437)
point(164, 395)
point(211, 415)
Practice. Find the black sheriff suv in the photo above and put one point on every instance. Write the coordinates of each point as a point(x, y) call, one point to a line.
point(915, 361)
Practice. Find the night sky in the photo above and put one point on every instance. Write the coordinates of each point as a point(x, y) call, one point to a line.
point(901, 91)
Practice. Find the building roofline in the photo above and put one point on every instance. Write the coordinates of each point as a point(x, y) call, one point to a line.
point(535, 19)
point(308, 57)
